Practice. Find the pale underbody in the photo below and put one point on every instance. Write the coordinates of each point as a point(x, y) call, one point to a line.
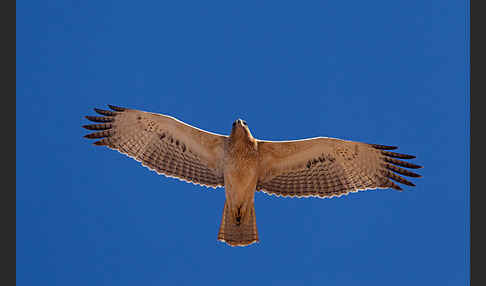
point(240, 170)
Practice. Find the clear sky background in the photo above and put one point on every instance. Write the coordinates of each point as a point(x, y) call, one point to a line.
point(385, 72)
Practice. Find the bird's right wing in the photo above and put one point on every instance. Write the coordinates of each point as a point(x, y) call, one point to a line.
point(327, 167)
point(162, 143)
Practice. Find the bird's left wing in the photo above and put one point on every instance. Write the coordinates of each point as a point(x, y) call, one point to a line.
point(328, 167)
point(162, 143)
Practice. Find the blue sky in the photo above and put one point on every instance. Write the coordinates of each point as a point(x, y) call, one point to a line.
point(385, 72)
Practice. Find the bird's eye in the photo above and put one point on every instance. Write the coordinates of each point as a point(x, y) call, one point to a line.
point(234, 123)
point(244, 123)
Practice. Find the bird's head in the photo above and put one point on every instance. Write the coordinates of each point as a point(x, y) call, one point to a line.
point(240, 129)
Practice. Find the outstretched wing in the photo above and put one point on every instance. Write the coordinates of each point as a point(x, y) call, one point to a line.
point(328, 167)
point(162, 143)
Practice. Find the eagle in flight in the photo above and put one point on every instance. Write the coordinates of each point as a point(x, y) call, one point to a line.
point(316, 167)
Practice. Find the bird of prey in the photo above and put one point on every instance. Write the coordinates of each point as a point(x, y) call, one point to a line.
point(316, 167)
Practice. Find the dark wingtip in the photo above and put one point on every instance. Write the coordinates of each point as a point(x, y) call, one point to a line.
point(397, 155)
point(100, 143)
point(401, 171)
point(99, 118)
point(414, 175)
point(101, 134)
point(383, 147)
point(103, 126)
point(116, 108)
point(414, 166)
point(401, 163)
point(104, 112)
point(394, 186)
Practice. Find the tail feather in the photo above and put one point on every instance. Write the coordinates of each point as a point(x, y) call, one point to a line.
point(238, 231)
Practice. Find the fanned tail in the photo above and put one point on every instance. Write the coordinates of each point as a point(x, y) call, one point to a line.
point(238, 231)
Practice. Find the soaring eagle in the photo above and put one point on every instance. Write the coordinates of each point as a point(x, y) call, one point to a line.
point(315, 167)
